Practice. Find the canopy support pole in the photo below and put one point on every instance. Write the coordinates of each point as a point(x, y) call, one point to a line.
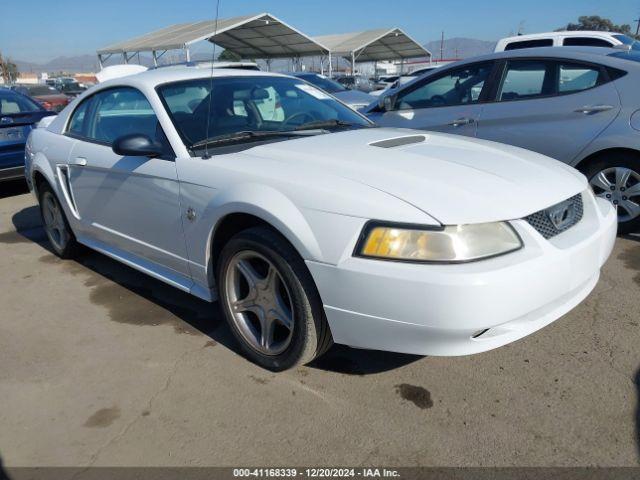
point(155, 58)
point(353, 64)
point(125, 58)
point(330, 66)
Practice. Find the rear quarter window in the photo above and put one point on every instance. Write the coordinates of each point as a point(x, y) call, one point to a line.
point(543, 42)
point(586, 42)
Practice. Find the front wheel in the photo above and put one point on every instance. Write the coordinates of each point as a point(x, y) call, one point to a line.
point(270, 300)
point(616, 178)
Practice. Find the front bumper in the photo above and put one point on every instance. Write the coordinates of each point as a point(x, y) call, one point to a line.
point(438, 309)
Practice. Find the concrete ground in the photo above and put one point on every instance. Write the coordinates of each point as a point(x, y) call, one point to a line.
point(101, 365)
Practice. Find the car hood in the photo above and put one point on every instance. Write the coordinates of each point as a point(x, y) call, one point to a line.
point(454, 179)
point(355, 97)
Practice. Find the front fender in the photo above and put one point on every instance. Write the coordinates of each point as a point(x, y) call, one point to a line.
point(273, 207)
point(264, 202)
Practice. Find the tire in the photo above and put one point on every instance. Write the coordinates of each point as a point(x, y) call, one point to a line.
point(606, 168)
point(260, 273)
point(55, 224)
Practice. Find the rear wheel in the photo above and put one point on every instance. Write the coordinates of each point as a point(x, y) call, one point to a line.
point(55, 224)
point(616, 178)
point(270, 301)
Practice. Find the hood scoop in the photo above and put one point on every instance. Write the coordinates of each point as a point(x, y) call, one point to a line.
point(399, 141)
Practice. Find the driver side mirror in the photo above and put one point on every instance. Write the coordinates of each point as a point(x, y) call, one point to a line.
point(137, 145)
point(387, 102)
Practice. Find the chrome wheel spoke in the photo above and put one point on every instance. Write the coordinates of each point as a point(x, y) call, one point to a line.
point(267, 326)
point(601, 181)
point(622, 176)
point(633, 191)
point(249, 273)
point(244, 305)
point(632, 208)
point(271, 280)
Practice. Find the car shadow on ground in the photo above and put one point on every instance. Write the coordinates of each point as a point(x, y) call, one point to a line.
point(634, 237)
point(3, 474)
point(145, 301)
point(12, 188)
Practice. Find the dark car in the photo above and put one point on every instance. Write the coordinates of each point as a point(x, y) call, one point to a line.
point(71, 89)
point(18, 115)
point(357, 82)
point(46, 95)
point(354, 98)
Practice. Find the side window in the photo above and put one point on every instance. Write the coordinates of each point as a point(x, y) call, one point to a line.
point(586, 42)
point(460, 87)
point(543, 42)
point(121, 111)
point(525, 79)
point(77, 122)
point(575, 77)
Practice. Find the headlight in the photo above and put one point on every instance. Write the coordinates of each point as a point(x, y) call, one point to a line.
point(450, 244)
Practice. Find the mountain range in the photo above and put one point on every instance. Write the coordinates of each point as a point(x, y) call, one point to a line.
point(453, 48)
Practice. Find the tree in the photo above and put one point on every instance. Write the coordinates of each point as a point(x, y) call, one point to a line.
point(8, 70)
point(229, 56)
point(595, 22)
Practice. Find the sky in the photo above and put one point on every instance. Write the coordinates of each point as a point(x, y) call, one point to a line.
point(39, 30)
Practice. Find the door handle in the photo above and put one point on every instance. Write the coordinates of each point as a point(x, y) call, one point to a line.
point(587, 109)
point(462, 121)
point(79, 162)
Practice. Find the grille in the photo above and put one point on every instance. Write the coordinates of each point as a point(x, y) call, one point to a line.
point(542, 222)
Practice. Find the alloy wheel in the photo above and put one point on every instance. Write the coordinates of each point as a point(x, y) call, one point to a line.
point(620, 186)
point(259, 302)
point(54, 224)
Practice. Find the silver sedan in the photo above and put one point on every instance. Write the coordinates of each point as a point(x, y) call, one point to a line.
point(577, 105)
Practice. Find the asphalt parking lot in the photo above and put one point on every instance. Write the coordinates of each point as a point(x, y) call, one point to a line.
point(101, 365)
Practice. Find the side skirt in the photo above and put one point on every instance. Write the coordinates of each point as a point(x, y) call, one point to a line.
point(163, 274)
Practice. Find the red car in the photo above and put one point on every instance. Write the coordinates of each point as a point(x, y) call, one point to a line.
point(50, 98)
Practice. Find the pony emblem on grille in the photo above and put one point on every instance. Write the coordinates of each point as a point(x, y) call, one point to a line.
point(562, 214)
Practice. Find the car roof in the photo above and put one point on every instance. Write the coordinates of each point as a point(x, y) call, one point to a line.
point(589, 54)
point(561, 33)
point(153, 78)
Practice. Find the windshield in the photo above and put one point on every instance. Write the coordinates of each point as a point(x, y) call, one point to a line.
point(13, 103)
point(242, 105)
point(70, 86)
point(635, 45)
point(324, 83)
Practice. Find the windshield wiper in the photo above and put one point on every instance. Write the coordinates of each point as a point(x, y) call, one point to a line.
point(247, 136)
point(333, 123)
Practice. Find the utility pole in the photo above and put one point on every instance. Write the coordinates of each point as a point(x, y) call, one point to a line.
point(442, 46)
point(638, 27)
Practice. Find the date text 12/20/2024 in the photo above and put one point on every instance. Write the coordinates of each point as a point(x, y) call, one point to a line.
point(316, 472)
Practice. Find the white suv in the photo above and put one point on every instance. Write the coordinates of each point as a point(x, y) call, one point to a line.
point(568, 39)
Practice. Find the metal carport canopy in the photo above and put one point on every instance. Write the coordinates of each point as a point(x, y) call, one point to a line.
point(252, 36)
point(373, 45)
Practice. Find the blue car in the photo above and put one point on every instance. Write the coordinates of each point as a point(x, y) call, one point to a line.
point(18, 115)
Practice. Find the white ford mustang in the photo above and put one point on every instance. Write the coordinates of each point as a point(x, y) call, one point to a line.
point(311, 225)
